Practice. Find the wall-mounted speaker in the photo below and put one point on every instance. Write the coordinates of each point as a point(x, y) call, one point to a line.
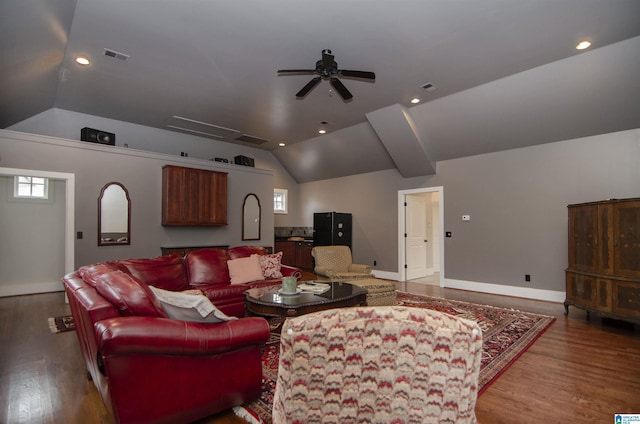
point(96, 136)
point(243, 160)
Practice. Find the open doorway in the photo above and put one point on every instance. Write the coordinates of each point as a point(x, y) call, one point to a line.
point(420, 235)
point(40, 238)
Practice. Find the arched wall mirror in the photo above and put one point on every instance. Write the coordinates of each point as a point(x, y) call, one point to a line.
point(251, 217)
point(114, 215)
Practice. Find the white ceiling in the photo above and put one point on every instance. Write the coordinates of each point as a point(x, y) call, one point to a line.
point(507, 72)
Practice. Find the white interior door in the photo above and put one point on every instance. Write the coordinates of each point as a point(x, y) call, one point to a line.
point(416, 241)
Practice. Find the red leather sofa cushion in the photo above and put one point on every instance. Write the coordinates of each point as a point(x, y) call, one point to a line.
point(206, 267)
point(129, 296)
point(164, 272)
point(244, 251)
point(89, 273)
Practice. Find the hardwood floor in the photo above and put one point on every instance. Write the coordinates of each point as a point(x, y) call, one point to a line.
point(577, 371)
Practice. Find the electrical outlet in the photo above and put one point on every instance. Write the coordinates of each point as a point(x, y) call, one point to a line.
point(79, 235)
point(527, 277)
point(375, 263)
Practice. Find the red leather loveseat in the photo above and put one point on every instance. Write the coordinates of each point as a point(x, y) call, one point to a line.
point(150, 368)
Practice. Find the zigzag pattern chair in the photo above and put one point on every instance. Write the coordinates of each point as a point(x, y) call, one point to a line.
point(389, 364)
point(335, 263)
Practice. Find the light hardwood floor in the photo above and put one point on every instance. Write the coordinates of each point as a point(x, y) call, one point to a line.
point(579, 371)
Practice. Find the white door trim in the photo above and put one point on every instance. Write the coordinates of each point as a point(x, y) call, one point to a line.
point(402, 254)
point(69, 225)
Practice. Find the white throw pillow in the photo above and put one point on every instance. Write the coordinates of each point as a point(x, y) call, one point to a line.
point(245, 270)
point(189, 307)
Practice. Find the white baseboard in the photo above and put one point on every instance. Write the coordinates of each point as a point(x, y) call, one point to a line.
point(30, 288)
point(514, 291)
point(386, 275)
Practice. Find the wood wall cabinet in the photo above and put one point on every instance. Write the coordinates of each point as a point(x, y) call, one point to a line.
point(296, 253)
point(604, 258)
point(196, 197)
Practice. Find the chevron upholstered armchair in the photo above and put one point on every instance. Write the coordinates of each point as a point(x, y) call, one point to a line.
point(335, 263)
point(388, 364)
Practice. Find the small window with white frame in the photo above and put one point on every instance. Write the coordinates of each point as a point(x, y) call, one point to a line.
point(279, 200)
point(30, 187)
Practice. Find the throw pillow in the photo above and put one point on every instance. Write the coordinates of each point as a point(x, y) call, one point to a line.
point(271, 265)
point(189, 306)
point(245, 270)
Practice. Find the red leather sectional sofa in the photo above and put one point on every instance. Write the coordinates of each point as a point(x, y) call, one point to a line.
point(150, 368)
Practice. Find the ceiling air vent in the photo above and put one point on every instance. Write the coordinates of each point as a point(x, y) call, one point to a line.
point(251, 139)
point(200, 128)
point(115, 54)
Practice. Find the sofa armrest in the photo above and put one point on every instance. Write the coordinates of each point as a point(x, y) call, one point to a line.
point(163, 336)
point(364, 269)
point(290, 271)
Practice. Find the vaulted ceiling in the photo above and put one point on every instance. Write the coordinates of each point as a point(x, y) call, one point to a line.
point(506, 73)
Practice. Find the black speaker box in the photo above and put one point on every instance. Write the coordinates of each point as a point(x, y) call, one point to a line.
point(97, 136)
point(243, 160)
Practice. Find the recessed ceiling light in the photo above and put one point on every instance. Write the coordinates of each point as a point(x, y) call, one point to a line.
point(322, 131)
point(281, 144)
point(82, 60)
point(415, 100)
point(584, 44)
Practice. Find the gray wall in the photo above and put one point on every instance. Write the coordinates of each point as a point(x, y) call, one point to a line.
point(517, 201)
point(141, 172)
point(66, 124)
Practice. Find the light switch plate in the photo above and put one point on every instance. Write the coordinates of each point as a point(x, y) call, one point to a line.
point(466, 217)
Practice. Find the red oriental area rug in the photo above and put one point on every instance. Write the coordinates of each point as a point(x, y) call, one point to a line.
point(506, 334)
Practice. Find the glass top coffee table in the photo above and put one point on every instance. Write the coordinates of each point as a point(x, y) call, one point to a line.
point(269, 301)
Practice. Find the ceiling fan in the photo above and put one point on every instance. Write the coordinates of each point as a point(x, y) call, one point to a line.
point(327, 68)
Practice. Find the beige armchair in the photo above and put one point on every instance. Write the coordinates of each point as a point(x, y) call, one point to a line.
point(378, 365)
point(335, 263)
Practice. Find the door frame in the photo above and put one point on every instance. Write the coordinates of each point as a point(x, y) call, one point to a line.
point(402, 251)
point(69, 225)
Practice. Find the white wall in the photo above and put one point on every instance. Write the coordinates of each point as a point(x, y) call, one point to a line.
point(32, 234)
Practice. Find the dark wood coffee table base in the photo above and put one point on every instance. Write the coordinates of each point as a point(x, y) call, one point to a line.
point(268, 302)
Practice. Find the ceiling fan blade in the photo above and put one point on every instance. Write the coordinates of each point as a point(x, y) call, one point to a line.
point(310, 85)
point(356, 74)
point(341, 89)
point(297, 71)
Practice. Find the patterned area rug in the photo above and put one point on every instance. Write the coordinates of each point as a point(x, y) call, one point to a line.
point(61, 324)
point(506, 334)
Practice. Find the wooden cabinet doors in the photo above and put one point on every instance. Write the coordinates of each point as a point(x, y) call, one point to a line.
point(193, 196)
point(626, 239)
